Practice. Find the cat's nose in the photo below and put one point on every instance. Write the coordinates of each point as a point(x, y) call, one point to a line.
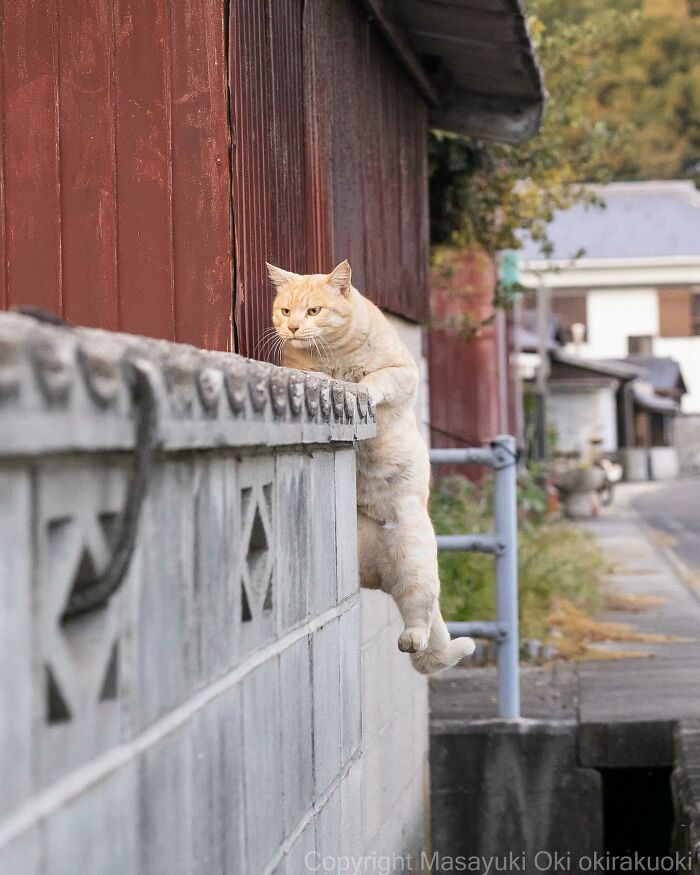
point(293, 327)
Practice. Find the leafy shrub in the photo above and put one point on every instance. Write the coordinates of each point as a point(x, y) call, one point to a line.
point(555, 559)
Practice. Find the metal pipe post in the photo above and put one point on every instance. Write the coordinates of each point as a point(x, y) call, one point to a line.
point(505, 512)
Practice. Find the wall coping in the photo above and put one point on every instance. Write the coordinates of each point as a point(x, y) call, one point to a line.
point(67, 389)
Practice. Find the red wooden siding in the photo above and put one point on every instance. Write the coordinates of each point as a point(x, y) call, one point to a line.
point(337, 130)
point(115, 173)
point(123, 206)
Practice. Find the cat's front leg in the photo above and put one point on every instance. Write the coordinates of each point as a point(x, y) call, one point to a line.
point(390, 385)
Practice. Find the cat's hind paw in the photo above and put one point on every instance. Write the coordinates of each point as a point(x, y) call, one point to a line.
point(413, 639)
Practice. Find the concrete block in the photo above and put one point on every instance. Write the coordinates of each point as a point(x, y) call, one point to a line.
point(350, 682)
point(500, 788)
point(260, 581)
point(635, 462)
point(302, 856)
point(97, 832)
point(663, 463)
point(80, 692)
point(374, 606)
point(15, 637)
point(322, 533)
point(297, 731)
point(373, 792)
point(22, 856)
point(352, 821)
point(293, 539)
point(328, 829)
point(326, 705)
point(216, 586)
point(162, 616)
point(165, 807)
point(346, 522)
point(625, 745)
point(378, 676)
point(262, 764)
point(217, 768)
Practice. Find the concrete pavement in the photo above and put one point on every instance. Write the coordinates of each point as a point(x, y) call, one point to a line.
point(673, 509)
point(626, 709)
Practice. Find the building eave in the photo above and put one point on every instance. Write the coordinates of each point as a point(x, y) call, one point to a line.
point(616, 272)
point(473, 61)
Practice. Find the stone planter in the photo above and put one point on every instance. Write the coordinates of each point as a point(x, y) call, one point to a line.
point(577, 489)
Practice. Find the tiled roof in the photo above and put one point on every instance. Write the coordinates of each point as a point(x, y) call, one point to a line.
point(640, 220)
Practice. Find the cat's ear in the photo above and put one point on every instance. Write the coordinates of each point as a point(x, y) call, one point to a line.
point(280, 277)
point(340, 278)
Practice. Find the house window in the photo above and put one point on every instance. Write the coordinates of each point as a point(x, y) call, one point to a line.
point(639, 345)
point(695, 313)
point(570, 309)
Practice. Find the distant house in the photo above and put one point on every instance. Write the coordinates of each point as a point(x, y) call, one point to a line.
point(625, 408)
point(636, 289)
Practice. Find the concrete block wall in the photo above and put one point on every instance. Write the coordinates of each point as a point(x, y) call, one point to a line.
point(235, 706)
point(686, 439)
point(395, 737)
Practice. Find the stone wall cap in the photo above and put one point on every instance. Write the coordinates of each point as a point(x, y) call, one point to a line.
point(65, 388)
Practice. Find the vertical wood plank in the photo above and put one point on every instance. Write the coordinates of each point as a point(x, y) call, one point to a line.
point(3, 251)
point(142, 101)
point(316, 49)
point(200, 149)
point(87, 182)
point(31, 184)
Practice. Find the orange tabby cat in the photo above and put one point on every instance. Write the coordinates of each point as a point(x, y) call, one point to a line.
point(326, 325)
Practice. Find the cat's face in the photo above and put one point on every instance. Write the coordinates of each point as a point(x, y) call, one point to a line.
point(316, 306)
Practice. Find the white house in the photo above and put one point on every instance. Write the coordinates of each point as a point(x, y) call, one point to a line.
point(636, 289)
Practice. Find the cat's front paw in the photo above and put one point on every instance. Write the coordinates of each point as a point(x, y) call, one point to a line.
point(413, 639)
point(375, 398)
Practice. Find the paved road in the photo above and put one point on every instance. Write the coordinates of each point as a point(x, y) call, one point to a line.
point(675, 510)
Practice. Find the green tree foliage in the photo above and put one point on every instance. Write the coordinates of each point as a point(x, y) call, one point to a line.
point(623, 78)
point(651, 83)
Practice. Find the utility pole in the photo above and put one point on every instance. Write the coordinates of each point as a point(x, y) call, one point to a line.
point(544, 307)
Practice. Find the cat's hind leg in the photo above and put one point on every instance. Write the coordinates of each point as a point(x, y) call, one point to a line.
point(441, 652)
point(409, 572)
point(410, 575)
point(370, 546)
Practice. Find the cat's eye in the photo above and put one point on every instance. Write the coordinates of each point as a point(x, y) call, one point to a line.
point(313, 311)
point(286, 311)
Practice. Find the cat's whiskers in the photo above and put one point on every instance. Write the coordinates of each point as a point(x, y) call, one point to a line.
point(264, 345)
point(266, 335)
point(330, 358)
point(319, 352)
point(272, 347)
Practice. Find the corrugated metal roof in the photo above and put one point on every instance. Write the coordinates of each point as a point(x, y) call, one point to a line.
point(483, 76)
point(641, 219)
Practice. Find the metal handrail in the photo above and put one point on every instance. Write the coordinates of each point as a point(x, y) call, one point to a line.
point(503, 544)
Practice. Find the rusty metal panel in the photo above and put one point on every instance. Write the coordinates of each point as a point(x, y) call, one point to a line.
point(463, 409)
point(317, 49)
point(378, 135)
point(330, 139)
point(267, 110)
